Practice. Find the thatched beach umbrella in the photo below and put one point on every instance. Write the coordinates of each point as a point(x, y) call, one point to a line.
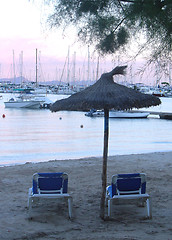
point(106, 94)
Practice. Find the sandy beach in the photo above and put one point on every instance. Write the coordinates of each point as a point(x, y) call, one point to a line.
point(50, 221)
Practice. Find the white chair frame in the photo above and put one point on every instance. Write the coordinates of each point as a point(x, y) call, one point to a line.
point(129, 196)
point(48, 195)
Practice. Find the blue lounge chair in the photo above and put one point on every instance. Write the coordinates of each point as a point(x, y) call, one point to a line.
point(49, 185)
point(128, 187)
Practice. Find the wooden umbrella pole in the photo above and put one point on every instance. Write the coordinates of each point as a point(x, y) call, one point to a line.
point(104, 169)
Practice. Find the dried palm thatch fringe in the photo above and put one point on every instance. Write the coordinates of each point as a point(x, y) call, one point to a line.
point(106, 94)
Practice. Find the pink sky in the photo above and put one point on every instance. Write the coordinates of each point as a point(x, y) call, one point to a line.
point(23, 29)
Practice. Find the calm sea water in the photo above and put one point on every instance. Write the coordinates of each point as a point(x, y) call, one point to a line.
point(40, 135)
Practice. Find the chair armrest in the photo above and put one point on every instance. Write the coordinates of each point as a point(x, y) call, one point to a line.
point(109, 191)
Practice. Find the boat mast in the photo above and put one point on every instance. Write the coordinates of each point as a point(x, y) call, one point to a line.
point(74, 66)
point(170, 68)
point(68, 66)
point(157, 74)
point(14, 68)
point(36, 68)
point(88, 70)
point(21, 67)
point(97, 72)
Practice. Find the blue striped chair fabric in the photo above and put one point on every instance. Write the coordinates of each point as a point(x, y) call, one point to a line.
point(47, 182)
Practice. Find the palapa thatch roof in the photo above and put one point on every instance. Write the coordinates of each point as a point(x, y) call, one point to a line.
point(106, 94)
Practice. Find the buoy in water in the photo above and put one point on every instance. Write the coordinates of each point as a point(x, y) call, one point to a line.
point(3, 115)
point(81, 126)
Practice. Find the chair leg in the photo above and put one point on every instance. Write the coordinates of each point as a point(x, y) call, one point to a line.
point(70, 207)
point(109, 207)
point(149, 208)
point(30, 206)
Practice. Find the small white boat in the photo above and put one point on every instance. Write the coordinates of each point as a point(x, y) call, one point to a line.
point(95, 113)
point(117, 114)
point(126, 114)
point(24, 101)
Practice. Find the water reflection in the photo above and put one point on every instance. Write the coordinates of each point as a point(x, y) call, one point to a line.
point(39, 135)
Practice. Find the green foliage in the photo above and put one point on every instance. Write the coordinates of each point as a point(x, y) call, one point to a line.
point(110, 24)
point(113, 41)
